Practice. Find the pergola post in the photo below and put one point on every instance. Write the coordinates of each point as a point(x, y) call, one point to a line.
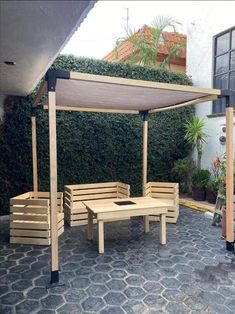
point(229, 178)
point(53, 187)
point(145, 163)
point(34, 150)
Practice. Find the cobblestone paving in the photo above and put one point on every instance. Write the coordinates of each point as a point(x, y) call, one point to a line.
point(193, 273)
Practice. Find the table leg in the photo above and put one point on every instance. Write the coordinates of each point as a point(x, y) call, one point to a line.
point(90, 225)
point(163, 229)
point(101, 236)
point(146, 223)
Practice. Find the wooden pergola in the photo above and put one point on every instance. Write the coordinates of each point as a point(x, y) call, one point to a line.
point(74, 91)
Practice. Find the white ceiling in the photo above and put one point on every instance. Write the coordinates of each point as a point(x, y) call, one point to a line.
point(32, 33)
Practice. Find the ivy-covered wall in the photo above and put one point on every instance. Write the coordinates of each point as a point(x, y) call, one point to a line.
point(92, 147)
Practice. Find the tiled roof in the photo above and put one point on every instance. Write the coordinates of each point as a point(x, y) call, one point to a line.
point(125, 49)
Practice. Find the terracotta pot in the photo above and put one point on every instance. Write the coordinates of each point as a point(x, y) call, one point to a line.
point(199, 193)
point(211, 196)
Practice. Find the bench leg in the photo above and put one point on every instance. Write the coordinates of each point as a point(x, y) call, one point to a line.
point(101, 236)
point(146, 223)
point(90, 226)
point(163, 229)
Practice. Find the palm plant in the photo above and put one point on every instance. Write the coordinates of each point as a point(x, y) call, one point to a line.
point(146, 42)
point(196, 136)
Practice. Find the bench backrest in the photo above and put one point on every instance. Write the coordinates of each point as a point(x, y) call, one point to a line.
point(75, 195)
point(167, 190)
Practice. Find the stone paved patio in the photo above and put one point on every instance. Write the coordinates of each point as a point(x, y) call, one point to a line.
point(193, 273)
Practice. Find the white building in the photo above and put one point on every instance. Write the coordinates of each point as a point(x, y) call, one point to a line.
point(208, 56)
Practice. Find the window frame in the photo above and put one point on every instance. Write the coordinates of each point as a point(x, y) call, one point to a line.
point(228, 72)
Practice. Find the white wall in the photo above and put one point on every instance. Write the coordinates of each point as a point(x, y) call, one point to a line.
point(214, 18)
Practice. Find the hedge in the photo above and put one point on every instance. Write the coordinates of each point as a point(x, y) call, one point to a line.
point(92, 147)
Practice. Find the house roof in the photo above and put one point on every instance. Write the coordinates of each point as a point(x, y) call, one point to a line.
point(32, 34)
point(125, 49)
point(88, 92)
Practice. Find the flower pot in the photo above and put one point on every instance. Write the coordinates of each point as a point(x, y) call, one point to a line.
point(211, 196)
point(199, 193)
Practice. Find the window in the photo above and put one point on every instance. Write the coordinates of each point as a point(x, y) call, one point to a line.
point(223, 65)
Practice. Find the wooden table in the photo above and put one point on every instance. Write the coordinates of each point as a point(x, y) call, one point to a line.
point(113, 209)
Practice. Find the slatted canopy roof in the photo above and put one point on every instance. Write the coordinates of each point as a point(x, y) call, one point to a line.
point(88, 92)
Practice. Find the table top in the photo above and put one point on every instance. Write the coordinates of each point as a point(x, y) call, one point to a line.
point(109, 205)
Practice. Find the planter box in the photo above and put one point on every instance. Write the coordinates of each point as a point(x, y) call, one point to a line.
point(199, 194)
point(74, 196)
point(30, 218)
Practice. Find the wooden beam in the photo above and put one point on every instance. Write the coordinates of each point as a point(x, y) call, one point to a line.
point(53, 183)
point(187, 103)
point(42, 90)
point(74, 108)
point(229, 179)
point(34, 154)
point(145, 155)
point(141, 83)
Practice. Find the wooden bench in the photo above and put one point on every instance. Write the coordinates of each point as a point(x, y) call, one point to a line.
point(165, 190)
point(30, 218)
point(74, 196)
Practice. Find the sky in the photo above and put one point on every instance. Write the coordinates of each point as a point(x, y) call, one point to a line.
point(106, 22)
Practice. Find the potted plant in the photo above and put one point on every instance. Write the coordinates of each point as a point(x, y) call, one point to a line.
point(196, 136)
point(200, 179)
point(212, 190)
point(214, 182)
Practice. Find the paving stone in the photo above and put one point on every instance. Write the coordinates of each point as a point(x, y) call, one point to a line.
point(154, 301)
point(118, 273)
point(27, 306)
point(231, 304)
point(71, 308)
point(196, 303)
point(176, 308)
point(119, 264)
point(37, 293)
point(112, 310)
point(104, 268)
point(153, 287)
point(96, 290)
point(12, 298)
point(46, 311)
point(135, 280)
point(116, 284)
point(135, 293)
point(19, 269)
point(21, 285)
point(173, 295)
point(29, 274)
point(134, 307)
point(4, 309)
point(52, 301)
point(115, 298)
point(9, 278)
point(100, 278)
point(3, 289)
point(75, 295)
point(80, 283)
point(93, 304)
point(228, 292)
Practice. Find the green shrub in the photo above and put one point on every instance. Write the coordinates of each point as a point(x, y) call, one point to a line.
point(182, 173)
point(92, 147)
point(200, 178)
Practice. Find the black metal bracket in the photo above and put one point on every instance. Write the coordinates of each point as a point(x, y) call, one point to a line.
point(54, 277)
point(34, 109)
point(230, 246)
point(229, 96)
point(144, 114)
point(52, 75)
